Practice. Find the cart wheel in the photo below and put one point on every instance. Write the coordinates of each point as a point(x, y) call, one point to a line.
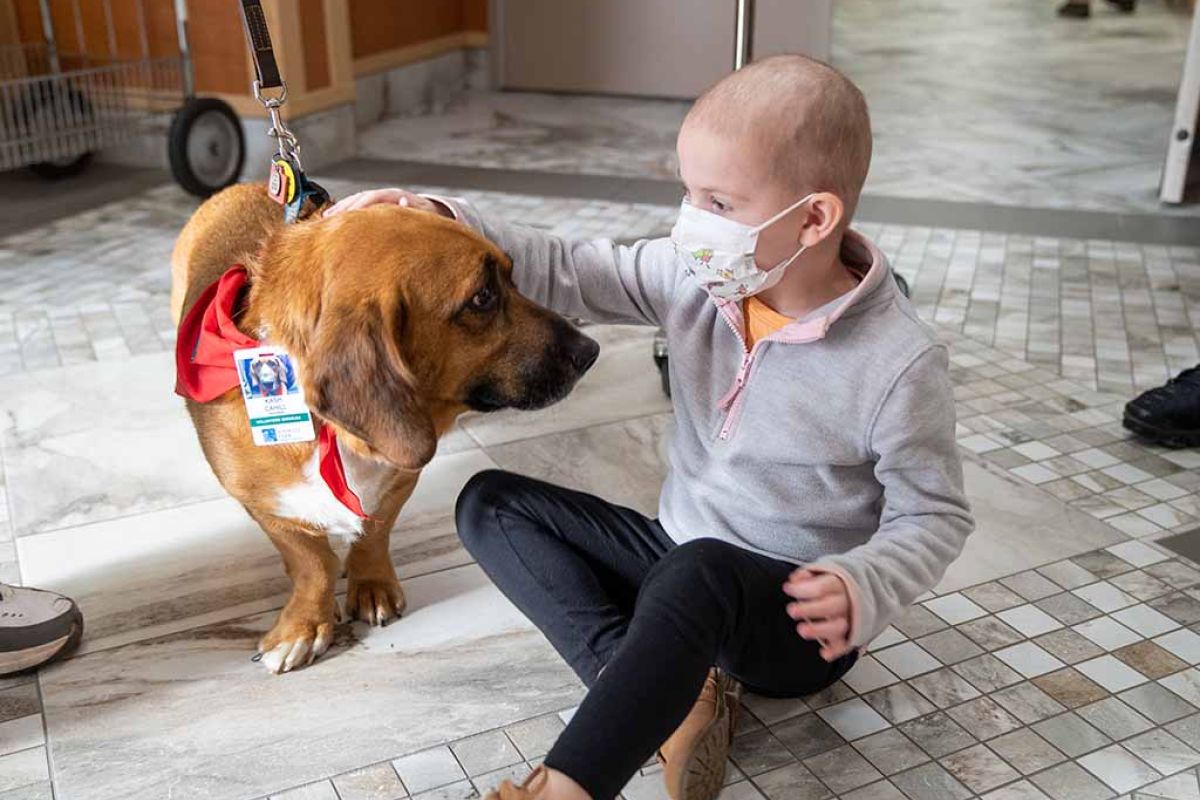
point(206, 146)
point(902, 284)
point(46, 110)
point(61, 168)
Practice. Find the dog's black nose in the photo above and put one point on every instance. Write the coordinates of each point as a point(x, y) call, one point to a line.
point(583, 352)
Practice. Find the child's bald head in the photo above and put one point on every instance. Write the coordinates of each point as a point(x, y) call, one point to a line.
point(807, 118)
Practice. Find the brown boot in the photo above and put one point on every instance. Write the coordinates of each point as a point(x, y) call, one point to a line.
point(530, 789)
point(694, 757)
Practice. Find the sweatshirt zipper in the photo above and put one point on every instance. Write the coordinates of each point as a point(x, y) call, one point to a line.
point(731, 402)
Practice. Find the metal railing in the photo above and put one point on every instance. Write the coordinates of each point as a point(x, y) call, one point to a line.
point(57, 116)
point(56, 106)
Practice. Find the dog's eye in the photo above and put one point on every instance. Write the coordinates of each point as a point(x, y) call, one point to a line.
point(484, 299)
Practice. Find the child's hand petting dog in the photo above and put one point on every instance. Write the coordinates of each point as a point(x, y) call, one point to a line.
point(822, 608)
point(397, 197)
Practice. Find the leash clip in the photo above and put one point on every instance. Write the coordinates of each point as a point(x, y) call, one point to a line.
point(287, 144)
point(270, 101)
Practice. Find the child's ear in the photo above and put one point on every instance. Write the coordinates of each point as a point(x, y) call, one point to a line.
point(825, 213)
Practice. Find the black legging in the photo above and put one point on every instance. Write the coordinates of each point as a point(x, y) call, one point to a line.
point(610, 590)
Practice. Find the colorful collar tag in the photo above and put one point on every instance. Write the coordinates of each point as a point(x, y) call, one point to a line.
point(281, 182)
point(290, 187)
point(274, 400)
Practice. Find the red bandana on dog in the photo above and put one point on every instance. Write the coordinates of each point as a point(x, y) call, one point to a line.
point(205, 370)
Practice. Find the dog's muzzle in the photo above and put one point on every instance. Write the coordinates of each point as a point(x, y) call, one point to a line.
point(543, 381)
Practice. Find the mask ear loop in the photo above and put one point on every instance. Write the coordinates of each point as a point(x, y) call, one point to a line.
point(775, 273)
point(777, 270)
point(761, 227)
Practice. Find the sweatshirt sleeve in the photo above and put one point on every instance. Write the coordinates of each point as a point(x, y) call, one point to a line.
point(593, 279)
point(925, 519)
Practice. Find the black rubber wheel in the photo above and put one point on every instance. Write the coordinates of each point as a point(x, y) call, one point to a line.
point(664, 373)
point(206, 146)
point(66, 168)
point(75, 106)
point(902, 284)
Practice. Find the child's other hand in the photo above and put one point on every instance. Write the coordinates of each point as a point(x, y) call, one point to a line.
point(396, 197)
point(822, 609)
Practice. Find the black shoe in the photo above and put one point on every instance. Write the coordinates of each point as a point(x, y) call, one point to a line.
point(1124, 6)
point(1075, 10)
point(1170, 414)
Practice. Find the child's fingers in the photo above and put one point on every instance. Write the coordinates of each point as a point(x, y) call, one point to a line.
point(369, 198)
point(829, 630)
point(830, 606)
point(810, 588)
point(348, 203)
point(800, 573)
point(832, 651)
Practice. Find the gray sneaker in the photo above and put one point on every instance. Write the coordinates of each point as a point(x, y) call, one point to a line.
point(35, 627)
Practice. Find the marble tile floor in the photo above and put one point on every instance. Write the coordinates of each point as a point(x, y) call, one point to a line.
point(1006, 103)
point(177, 583)
point(978, 693)
point(971, 100)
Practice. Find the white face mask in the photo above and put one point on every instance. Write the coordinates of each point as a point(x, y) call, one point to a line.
point(719, 253)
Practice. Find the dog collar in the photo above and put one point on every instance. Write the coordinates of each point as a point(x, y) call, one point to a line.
point(205, 370)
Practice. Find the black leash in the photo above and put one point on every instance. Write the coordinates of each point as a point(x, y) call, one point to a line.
point(287, 185)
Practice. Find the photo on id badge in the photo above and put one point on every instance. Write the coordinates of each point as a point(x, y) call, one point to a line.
point(274, 402)
point(267, 375)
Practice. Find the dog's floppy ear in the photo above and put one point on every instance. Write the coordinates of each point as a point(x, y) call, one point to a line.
point(358, 380)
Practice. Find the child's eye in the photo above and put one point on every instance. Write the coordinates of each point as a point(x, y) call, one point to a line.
point(720, 207)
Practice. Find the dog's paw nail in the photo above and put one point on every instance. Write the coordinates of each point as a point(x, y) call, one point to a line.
point(297, 656)
point(256, 657)
point(274, 659)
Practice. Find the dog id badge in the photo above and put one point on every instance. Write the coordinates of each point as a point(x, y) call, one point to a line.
point(274, 399)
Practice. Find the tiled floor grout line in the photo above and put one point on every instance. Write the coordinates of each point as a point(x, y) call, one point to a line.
point(45, 735)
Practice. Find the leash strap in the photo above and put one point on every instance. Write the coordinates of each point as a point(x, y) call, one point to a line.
point(287, 184)
point(259, 37)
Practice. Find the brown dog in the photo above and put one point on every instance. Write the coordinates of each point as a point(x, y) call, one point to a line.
point(397, 321)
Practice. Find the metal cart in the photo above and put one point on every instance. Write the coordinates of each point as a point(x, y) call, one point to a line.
point(58, 108)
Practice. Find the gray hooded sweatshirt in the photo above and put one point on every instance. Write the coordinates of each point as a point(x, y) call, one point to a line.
point(829, 444)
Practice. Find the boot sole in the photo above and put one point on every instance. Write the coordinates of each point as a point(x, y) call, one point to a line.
point(1167, 437)
point(704, 774)
point(30, 658)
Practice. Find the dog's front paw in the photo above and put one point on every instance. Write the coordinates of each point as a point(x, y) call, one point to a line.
point(297, 640)
point(374, 601)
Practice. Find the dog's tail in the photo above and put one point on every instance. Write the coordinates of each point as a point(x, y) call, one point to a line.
point(228, 228)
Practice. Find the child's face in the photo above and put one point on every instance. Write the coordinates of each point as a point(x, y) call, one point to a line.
point(734, 178)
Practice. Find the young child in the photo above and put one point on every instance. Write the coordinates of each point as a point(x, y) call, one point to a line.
point(814, 487)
